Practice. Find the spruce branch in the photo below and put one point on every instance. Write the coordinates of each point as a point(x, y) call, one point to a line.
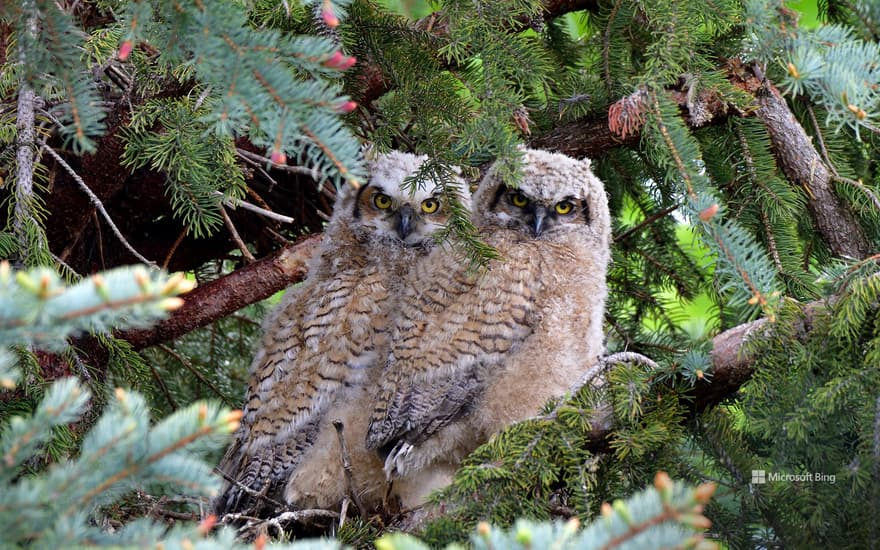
point(861, 187)
point(653, 218)
point(771, 241)
point(62, 404)
point(227, 423)
point(253, 157)
point(606, 46)
point(686, 511)
point(376, 83)
point(794, 151)
point(666, 515)
point(40, 309)
point(163, 387)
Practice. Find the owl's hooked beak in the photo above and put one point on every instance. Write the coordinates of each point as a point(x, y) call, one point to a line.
point(404, 221)
point(539, 214)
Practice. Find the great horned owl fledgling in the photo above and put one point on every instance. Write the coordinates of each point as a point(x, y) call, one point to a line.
point(326, 342)
point(474, 352)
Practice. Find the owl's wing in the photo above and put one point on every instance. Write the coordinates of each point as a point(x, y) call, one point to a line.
point(450, 334)
point(323, 337)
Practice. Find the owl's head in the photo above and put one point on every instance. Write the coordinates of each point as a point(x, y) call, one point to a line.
point(556, 194)
point(383, 210)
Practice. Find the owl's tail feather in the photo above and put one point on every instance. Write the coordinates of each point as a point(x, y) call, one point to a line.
point(253, 490)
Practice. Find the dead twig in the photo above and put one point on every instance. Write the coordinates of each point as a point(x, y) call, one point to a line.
point(346, 466)
point(186, 364)
point(97, 204)
point(343, 510)
point(162, 386)
point(259, 495)
point(235, 236)
point(235, 203)
point(255, 524)
point(174, 247)
point(302, 170)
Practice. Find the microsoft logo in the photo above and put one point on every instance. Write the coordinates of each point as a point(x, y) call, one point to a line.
point(759, 477)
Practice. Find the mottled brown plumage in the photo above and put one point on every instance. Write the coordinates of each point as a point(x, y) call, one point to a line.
point(325, 342)
point(474, 352)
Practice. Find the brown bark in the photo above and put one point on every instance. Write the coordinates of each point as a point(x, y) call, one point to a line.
point(221, 297)
point(582, 138)
point(732, 367)
point(803, 166)
point(793, 148)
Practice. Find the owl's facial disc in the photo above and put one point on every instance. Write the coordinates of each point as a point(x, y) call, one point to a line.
point(538, 216)
point(397, 215)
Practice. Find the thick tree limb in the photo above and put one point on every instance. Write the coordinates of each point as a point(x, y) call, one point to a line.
point(26, 141)
point(24, 160)
point(230, 293)
point(793, 148)
point(732, 367)
point(803, 166)
point(582, 138)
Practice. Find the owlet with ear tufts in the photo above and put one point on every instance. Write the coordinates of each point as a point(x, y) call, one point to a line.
point(473, 352)
point(326, 342)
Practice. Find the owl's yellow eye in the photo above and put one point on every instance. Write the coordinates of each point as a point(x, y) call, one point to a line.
point(564, 207)
point(519, 200)
point(382, 201)
point(429, 206)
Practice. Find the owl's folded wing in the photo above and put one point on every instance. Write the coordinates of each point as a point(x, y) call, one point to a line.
point(324, 338)
point(445, 343)
point(255, 460)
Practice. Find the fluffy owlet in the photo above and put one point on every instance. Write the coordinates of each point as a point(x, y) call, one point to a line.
point(474, 352)
point(327, 340)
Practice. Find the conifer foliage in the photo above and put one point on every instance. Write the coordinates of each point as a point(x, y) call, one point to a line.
point(739, 145)
point(122, 451)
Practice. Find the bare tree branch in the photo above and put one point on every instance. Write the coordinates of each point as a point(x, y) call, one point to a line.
point(99, 205)
point(731, 368)
point(794, 150)
point(235, 236)
point(26, 141)
point(803, 165)
point(24, 159)
point(346, 467)
point(235, 203)
point(221, 297)
point(582, 138)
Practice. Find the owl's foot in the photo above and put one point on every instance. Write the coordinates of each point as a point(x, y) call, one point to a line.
point(395, 462)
